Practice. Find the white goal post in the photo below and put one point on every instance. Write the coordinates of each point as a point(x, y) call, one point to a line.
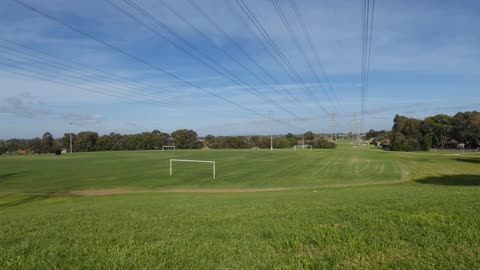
point(303, 146)
point(168, 147)
point(188, 160)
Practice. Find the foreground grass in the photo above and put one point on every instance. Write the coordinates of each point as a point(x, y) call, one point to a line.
point(429, 220)
point(395, 226)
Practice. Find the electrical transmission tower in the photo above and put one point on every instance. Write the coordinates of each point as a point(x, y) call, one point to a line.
point(333, 124)
point(356, 128)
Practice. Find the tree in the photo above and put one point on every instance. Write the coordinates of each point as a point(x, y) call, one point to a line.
point(16, 144)
point(161, 139)
point(148, 141)
point(408, 134)
point(263, 142)
point(85, 141)
point(281, 142)
point(132, 142)
point(308, 137)
point(398, 141)
point(36, 146)
point(65, 141)
point(371, 134)
point(3, 147)
point(209, 140)
point(254, 141)
point(292, 139)
point(466, 128)
point(237, 142)
point(47, 142)
point(186, 139)
point(438, 128)
point(321, 142)
point(109, 142)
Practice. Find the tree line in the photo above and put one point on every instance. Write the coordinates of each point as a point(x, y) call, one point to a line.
point(461, 131)
point(88, 141)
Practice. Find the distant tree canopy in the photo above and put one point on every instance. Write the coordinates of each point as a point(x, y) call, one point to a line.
point(243, 142)
point(228, 142)
point(186, 139)
point(87, 141)
point(47, 142)
point(308, 136)
point(373, 134)
point(440, 131)
point(408, 134)
point(3, 147)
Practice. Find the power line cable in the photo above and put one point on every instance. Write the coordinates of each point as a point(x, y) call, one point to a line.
point(134, 57)
point(314, 50)
point(367, 36)
point(296, 77)
point(240, 48)
point(295, 40)
point(47, 75)
point(101, 75)
point(369, 51)
point(211, 63)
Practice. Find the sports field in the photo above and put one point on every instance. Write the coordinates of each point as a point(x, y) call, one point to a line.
point(352, 207)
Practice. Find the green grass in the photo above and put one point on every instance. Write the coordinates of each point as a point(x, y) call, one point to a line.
point(413, 211)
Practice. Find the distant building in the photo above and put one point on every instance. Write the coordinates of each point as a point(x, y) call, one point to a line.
point(453, 144)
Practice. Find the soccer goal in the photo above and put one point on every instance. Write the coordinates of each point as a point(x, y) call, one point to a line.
point(303, 146)
point(166, 147)
point(188, 160)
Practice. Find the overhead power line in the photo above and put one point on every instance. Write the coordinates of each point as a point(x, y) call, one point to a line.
point(299, 46)
point(315, 51)
point(198, 55)
point(94, 78)
point(132, 56)
point(239, 48)
point(43, 71)
point(158, 27)
point(295, 76)
point(368, 11)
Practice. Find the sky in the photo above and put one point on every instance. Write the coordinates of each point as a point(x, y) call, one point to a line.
point(127, 67)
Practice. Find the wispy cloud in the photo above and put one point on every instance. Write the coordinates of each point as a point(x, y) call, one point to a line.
point(25, 105)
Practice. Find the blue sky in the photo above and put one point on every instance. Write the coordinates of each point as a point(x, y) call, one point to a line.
point(425, 60)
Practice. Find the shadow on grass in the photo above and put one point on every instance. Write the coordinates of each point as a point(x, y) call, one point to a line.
point(469, 160)
point(452, 180)
point(23, 200)
point(7, 176)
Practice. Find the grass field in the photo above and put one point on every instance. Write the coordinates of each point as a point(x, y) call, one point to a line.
point(351, 207)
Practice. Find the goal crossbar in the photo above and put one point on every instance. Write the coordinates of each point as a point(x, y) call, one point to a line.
point(303, 146)
point(190, 160)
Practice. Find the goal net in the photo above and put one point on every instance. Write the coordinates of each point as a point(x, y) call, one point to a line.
point(168, 147)
point(303, 146)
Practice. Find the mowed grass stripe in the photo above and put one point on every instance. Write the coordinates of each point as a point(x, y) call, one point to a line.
point(235, 169)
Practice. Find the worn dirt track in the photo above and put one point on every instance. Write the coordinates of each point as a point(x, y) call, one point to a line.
point(99, 192)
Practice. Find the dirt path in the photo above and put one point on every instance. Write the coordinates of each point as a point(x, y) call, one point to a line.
point(98, 192)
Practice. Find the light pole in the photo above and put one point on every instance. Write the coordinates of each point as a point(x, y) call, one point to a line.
point(71, 148)
point(271, 135)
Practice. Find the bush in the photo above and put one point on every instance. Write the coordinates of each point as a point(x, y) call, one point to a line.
point(319, 142)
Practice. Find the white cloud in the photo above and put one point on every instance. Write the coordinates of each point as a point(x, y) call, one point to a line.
point(26, 105)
